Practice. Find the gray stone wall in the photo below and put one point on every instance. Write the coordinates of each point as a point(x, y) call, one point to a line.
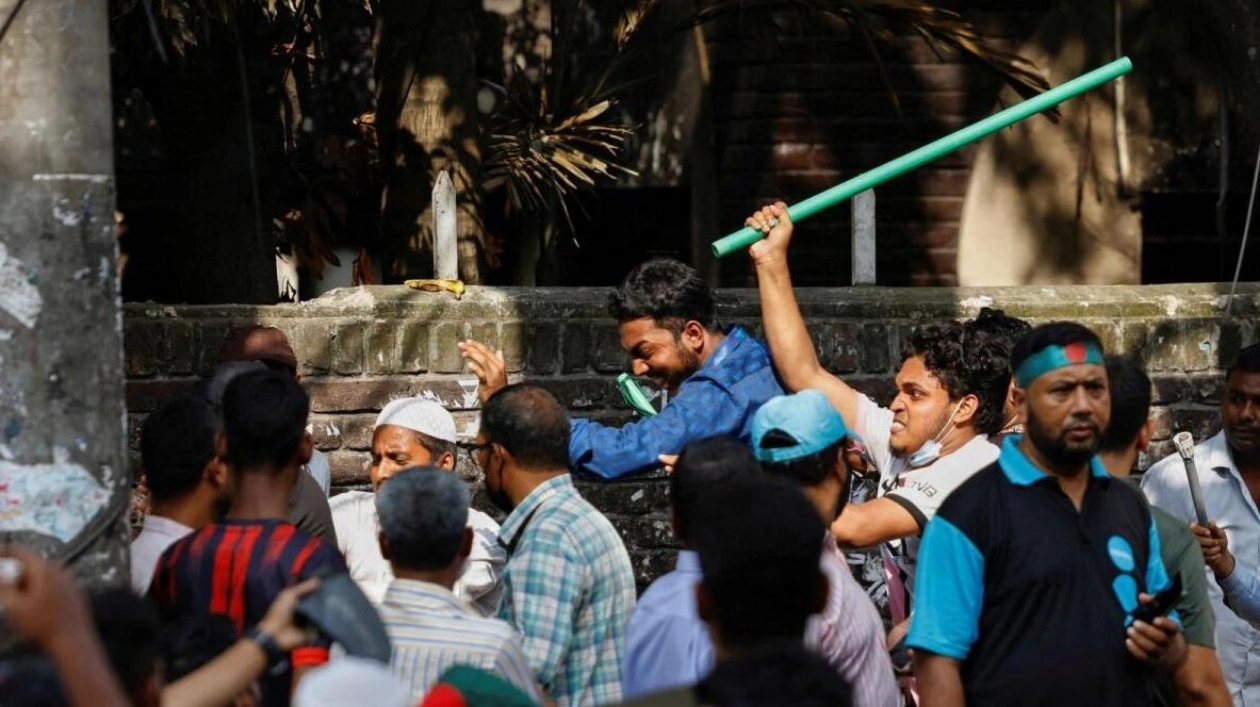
point(360, 348)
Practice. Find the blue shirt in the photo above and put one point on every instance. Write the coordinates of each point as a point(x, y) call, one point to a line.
point(718, 399)
point(1031, 594)
point(667, 645)
point(568, 588)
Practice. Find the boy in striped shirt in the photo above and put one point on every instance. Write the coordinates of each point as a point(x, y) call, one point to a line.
point(238, 565)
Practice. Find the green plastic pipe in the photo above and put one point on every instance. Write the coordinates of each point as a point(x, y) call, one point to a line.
point(634, 394)
point(933, 150)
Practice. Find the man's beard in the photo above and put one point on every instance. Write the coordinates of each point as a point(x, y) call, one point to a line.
point(1056, 448)
point(690, 364)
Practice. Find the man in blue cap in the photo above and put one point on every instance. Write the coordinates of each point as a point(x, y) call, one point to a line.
point(1032, 571)
point(801, 438)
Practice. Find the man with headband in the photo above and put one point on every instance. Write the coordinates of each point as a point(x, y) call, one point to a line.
point(951, 390)
point(1031, 571)
point(413, 432)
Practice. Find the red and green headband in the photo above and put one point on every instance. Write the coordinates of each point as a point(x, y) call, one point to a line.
point(1057, 356)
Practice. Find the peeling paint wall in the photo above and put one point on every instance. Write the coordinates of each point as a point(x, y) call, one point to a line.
point(63, 479)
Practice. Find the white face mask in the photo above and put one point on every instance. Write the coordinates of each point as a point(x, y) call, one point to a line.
point(931, 449)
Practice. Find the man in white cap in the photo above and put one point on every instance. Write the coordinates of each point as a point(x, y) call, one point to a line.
point(349, 680)
point(414, 432)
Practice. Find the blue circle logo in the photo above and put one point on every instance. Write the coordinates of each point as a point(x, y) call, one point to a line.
point(1121, 553)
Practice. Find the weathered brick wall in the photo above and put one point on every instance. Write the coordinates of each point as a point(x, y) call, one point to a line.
point(360, 348)
point(800, 108)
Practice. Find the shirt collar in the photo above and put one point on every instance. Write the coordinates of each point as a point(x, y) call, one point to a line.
point(1020, 470)
point(516, 520)
point(165, 526)
point(1219, 457)
point(415, 594)
point(734, 337)
point(688, 562)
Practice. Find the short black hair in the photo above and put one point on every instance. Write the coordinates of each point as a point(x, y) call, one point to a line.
point(1247, 361)
point(528, 421)
point(759, 541)
point(809, 470)
point(701, 464)
point(264, 419)
point(176, 444)
point(1004, 328)
point(777, 673)
point(666, 290)
point(423, 514)
point(966, 362)
point(1052, 334)
point(434, 446)
point(31, 681)
point(131, 633)
point(1130, 403)
point(191, 642)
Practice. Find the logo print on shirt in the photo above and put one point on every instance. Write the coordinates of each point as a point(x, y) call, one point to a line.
point(1124, 586)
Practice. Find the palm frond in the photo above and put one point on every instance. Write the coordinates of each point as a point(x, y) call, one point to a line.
point(887, 22)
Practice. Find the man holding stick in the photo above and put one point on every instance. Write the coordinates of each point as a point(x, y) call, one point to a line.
point(1228, 470)
point(951, 391)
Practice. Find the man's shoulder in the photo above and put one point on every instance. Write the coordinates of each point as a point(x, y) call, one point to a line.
point(351, 505)
point(480, 520)
point(1168, 470)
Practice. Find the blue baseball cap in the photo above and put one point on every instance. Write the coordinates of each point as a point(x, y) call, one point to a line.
point(807, 416)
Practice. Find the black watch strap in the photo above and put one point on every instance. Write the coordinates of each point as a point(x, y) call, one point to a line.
point(275, 656)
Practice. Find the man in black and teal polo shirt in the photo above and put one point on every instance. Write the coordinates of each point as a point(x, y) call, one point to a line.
point(1031, 570)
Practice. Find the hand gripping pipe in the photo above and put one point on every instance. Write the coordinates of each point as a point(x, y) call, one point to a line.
point(933, 150)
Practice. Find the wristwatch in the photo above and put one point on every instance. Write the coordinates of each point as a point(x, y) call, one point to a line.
point(277, 659)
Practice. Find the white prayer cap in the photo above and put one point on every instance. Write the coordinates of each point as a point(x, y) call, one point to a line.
point(423, 416)
point(346, 681)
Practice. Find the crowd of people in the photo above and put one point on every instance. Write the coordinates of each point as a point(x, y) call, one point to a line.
point(1025, 562)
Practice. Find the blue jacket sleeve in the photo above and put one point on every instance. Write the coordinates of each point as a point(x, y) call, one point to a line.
point(702, 409)
point(949, 592)
point(1242, 594)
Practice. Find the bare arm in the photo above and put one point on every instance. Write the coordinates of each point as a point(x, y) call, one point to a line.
point(225, 677)
point(791, 347)
point(1200, 682)
point(940, 680)
point(45, 605)
point(866, 524)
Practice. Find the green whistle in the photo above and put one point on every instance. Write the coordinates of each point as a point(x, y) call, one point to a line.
point(634, 394)
point(931, 151)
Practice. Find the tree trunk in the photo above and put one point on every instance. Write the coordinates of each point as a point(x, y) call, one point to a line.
point(63, 477)
point(426, 118)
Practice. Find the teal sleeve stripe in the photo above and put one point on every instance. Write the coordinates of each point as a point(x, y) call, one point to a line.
point(949, 592)
point(1157, 578)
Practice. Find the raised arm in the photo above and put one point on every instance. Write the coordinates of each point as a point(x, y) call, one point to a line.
point(791, 347)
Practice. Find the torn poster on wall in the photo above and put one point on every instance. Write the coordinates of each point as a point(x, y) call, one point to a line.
point(57, 499)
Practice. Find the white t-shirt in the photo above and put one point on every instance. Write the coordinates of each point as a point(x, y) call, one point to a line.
point(920, 491)
point(354, 517)
point(159, 533)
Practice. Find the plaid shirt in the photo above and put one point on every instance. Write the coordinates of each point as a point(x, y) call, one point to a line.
point(568, 588)
point(718, 399)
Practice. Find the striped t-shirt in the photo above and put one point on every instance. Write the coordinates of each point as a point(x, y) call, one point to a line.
point(432, 630)
point(237, 567)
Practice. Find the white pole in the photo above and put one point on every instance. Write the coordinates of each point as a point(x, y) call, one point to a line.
point(863, 237)
point(445, 240)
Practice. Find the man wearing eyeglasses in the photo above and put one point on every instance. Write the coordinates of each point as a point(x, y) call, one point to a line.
point(414, 432)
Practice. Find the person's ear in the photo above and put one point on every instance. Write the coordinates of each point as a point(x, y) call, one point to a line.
point(220, 445)
point(215, 473)
point(306, 449)
point(1019, 397)
point(380, 540)
point(967, 409)
point(1145, 433)
point(693, 335)
point(446, 461)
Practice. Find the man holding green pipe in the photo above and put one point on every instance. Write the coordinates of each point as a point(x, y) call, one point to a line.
point(951, 391)
point(716, 377)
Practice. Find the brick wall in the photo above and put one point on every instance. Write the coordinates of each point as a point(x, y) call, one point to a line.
point(360, 348)
point(799, 109)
